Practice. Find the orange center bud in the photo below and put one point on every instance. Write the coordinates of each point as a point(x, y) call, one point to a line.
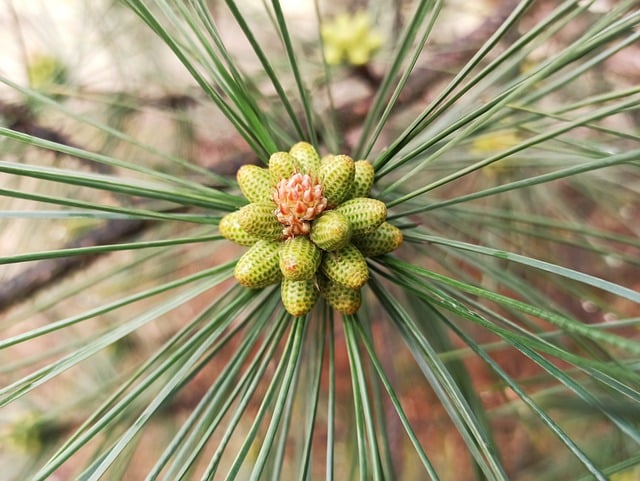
point(299, 200)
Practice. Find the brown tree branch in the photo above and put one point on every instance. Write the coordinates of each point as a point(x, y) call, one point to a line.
point(46, 272)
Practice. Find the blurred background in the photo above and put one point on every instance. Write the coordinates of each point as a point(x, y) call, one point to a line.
point(92, 76)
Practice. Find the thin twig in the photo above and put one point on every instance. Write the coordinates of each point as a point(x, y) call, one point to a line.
point(457, 53)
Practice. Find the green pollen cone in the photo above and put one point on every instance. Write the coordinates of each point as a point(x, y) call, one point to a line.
point(341, 298)
point(330, 258)
point(307, 158)
point(364, 215)
point(346, 266)
point(281, 166)
point(362, 179)
point(231, 229)
point(386, 238)
point(298, 297)
point(259, 219)
point(258, 267)
point(255, 183)
point(336, 176)
point(331, 231)
point(299, 259)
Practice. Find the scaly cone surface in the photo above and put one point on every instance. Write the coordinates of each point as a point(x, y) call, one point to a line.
point(309, 226)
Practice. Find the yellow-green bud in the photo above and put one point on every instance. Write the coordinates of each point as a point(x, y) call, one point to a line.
point(255, 183)
point(259, 219)
point(341, 298)
point(331, 231)
point(282, 166)
point(364, 215)
point(298, 297)
point(362, 179)
point(350, 38)
point(259, 267)
point(307, 158)
point(336, 176)
point(299, 258)
point(346, 266)
point(386, 238)
point(231, 229)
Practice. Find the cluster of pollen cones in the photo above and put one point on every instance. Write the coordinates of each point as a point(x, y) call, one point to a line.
point(310, 225)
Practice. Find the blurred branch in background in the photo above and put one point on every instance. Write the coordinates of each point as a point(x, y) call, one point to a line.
point(46, 272)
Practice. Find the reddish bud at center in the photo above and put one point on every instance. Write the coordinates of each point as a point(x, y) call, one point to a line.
point(299, 200)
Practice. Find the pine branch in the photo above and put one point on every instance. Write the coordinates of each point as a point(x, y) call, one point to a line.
point(47, 272)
